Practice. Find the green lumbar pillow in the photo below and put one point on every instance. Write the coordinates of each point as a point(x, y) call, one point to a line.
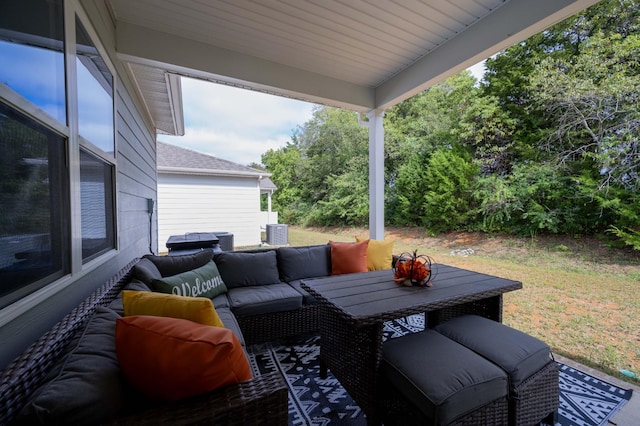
point(204, 281)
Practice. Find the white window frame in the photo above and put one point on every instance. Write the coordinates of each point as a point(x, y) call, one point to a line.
point(71, 9)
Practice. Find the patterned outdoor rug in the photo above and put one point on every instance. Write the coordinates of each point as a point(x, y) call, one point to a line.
point(584, 400)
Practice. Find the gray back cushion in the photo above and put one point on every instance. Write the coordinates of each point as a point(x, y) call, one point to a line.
point(296, 263)
point(145, 271)
point(239, 269)
point(88, 389)
point(173, 265)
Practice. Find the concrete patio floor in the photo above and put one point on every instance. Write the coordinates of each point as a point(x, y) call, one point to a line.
point(629, 415)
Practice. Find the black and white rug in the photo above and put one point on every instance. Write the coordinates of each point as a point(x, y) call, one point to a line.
point(584, 400)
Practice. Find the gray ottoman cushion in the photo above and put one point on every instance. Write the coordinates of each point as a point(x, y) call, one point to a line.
point(263, 299)
point(517, 353)
point(442, 378)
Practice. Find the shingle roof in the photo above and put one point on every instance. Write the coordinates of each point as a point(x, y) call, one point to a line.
point(172, 158)
point(267, 184)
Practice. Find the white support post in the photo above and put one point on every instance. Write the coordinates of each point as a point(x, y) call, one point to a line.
point(376, 174)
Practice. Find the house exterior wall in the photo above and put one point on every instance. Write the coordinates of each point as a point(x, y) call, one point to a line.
point(189, 203)
point(268, 218)
point(25, 321)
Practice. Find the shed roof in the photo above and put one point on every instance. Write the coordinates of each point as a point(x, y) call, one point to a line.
point(267, 184)
point(177, 160)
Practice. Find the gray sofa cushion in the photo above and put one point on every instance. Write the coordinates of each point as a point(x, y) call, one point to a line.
point(220, 301)
point(248, 269)
point(296, 263)
point(307, 298)
point(136, 285)
point(517, 353)
point(442, 378)
point(263, 299)
point(230, 322)
point(88, 389)
point(145, 271)
point(173, 265)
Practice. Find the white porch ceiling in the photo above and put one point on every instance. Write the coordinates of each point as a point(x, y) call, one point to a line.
point(354, 54)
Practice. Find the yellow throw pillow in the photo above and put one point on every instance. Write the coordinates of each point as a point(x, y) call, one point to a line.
point(197, 309)
point(379, 254)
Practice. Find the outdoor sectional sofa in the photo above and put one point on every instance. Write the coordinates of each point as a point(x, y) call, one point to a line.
point(71, 375)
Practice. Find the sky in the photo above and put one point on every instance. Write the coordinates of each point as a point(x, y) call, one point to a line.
point(235, 124)
point(240, 125)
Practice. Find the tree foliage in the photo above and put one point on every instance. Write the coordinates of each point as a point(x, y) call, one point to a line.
point(547, 142)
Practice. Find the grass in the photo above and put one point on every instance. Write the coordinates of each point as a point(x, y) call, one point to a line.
point(578, 295)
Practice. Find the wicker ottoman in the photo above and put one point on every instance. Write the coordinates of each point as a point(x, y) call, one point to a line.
point(534, 390)
point(427, 379)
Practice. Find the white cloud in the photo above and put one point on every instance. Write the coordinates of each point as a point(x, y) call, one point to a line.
point(236, 124)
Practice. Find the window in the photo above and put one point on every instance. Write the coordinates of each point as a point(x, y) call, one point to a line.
point(95, 123)
point(96, 199)
point(32, 53)
point(95, 93)
point(34, 232)
point(42, 209)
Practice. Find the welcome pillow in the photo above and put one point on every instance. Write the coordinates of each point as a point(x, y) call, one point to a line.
point(204, 281)
point(171, 359)
point(197, 309)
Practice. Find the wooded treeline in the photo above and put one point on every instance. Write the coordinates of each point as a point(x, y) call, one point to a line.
point(548, 142)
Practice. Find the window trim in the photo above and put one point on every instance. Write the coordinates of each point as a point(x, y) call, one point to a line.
point(71, 10)
point(26, 303)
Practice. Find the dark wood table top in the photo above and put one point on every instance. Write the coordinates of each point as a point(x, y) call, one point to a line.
point(370, 297)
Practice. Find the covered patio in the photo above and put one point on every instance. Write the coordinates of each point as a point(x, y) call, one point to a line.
point(363, 56)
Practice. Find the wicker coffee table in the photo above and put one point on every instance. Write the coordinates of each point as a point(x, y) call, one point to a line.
point(355, 307)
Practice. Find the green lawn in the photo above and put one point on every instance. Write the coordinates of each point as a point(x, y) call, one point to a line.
point(578, 295)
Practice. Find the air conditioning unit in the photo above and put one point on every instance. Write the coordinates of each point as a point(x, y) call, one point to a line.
point(277, 234)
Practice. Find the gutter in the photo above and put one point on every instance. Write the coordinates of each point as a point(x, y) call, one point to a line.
point(212, 172)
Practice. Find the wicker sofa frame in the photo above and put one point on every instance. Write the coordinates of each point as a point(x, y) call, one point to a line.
point(261, 400)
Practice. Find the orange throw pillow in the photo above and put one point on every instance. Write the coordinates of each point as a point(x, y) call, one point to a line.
point(172, 358)
point(347, 258)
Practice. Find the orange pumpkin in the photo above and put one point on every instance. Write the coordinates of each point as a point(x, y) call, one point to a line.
point(413, 270)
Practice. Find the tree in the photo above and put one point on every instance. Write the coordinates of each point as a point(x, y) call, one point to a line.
point(284, 165)
point(593, 100)
point(449, 203)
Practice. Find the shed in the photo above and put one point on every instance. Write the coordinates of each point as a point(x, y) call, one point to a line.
point(202, 193)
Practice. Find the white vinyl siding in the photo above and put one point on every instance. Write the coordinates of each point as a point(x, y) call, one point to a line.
point(188, 203)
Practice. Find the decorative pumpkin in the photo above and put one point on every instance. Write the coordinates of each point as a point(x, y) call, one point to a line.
point(413, 270)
